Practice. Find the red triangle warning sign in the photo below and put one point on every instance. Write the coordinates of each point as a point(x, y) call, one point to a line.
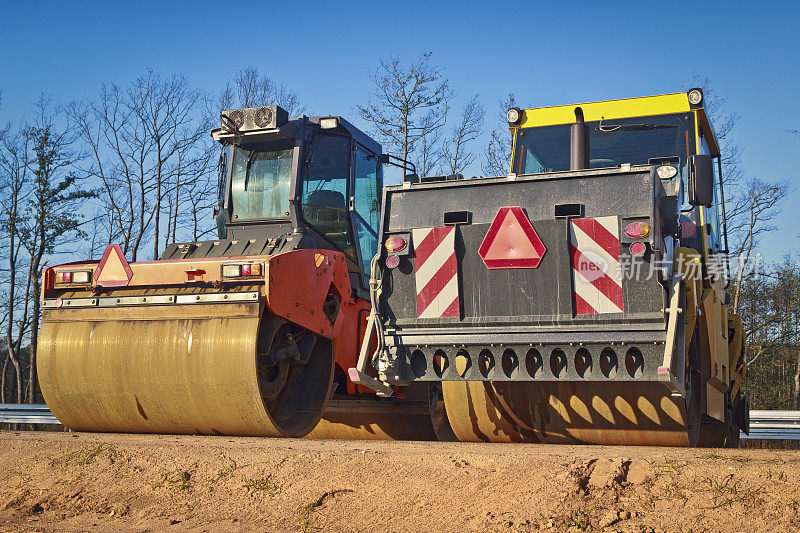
point(113, 270)
point(511, 241)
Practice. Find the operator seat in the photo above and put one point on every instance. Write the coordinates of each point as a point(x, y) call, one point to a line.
point(327, 212)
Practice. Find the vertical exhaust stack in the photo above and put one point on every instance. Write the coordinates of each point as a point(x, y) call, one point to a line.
point(579, 143)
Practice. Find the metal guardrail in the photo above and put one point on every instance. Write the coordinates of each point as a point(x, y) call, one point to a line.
point(774, 425)
point(26, 413)
point(768, 425)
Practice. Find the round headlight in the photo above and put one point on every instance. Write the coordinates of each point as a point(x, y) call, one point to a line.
point(514, 115)
point(695, 96)
point(666, 172)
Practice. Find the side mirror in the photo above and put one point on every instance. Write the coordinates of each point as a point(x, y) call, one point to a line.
point(411, 178)
point(701, 180)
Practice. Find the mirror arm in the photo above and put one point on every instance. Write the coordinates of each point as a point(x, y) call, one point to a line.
point(389, 159)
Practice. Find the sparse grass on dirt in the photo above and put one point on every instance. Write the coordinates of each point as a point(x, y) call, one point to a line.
point(85, 455)
point(229, 466)
point(177, 479)
point(728, 490)
point(306, 510)
point(120, 483)
point(261, 484)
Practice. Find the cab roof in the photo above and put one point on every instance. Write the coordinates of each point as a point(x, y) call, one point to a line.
point(664, 104)
point(358, 135)
point(291, 130)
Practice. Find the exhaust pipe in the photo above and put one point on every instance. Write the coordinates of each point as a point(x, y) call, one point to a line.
point(579, 143)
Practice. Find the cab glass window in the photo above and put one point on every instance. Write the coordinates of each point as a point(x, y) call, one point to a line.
point(713, 214)
point(260, 182)
point(324, 191)
point(366, 205)
point(611, 143)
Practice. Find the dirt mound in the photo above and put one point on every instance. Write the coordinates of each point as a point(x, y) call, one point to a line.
point(79, 482)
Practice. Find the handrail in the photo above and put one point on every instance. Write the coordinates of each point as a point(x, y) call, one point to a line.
point(774, 425)
point(26, 413)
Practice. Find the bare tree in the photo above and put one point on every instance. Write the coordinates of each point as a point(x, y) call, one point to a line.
point(749, 217)
point(467, 129)
point(167, 111)
point(428, 156)
point(408, 103)
point(248, 88)
point(751, 204)
point(119, 163)
point(194, 193)
point(53, 205)
point(496, 158)
point(768, 300)
point(147, 145)
point(15, 188)
point(97, 234)
point(201, 195)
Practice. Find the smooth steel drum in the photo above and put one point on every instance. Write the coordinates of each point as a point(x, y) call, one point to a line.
point(173, 369)
point(588, 413)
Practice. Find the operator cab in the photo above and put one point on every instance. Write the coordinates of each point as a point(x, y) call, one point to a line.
point(657, 130)
point(318, 179)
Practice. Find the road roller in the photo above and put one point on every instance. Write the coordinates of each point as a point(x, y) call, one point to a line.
point(252, 333)
point(579, 299)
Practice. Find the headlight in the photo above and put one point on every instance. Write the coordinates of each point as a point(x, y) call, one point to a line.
point(81, 276)
point(514, 115)
point(666, 172)
point(231, 271)
point(329, 123)
point(695, 96)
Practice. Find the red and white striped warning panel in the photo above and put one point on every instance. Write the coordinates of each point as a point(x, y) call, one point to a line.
point(596, 273)
point(436, 272)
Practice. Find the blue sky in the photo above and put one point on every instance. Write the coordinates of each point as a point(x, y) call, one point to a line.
point(548, 53)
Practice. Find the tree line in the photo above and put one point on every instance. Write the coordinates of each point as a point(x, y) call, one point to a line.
point(134, 165)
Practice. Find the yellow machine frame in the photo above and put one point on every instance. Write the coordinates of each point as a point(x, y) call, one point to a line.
point(725, 367)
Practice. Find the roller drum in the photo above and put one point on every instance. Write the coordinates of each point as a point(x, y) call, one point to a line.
point(587, 413)
point(190, 369)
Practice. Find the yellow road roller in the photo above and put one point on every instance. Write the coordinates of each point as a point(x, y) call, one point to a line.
point(578, 299)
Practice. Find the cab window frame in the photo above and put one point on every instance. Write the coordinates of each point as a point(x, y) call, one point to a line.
point(357, 218)
point(686, 121)
point(227, 200)
point(712, 216)
point(303, 193)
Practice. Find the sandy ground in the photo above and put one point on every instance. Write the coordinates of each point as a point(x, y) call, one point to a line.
point(99, 482)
